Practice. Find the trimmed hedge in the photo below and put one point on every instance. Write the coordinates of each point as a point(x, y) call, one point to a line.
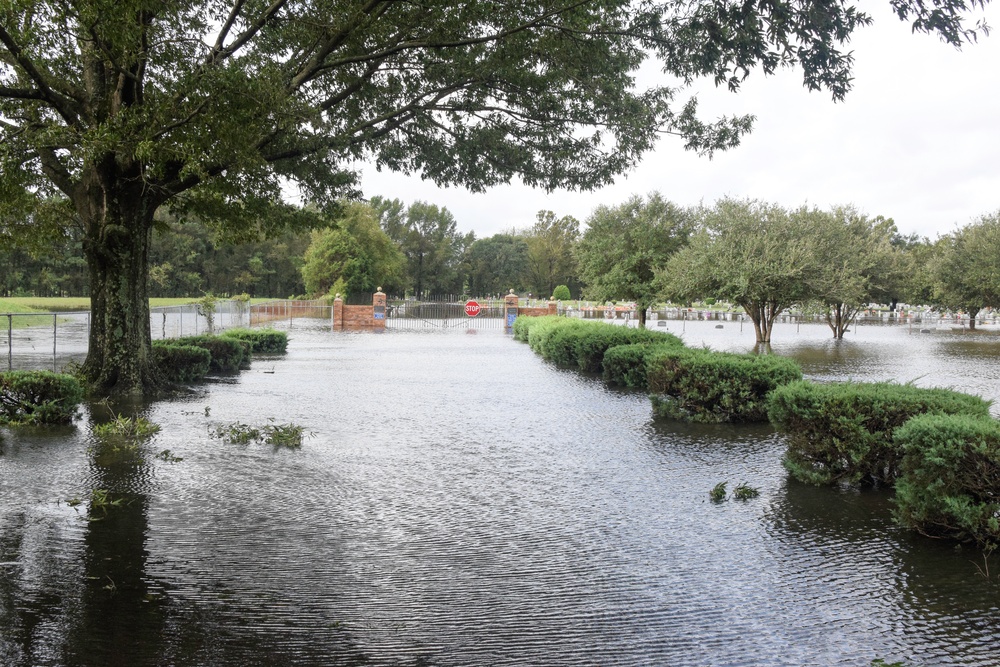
point(843, 432)
point(949, 483)
point(707, 386)
point(581, 343)
point(262, 341)
point(181, 363)
point(591, 347)
point(627, 365)
point(227, 354)
point(38, 397)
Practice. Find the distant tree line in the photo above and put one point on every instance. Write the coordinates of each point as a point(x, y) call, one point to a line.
point(756, 255)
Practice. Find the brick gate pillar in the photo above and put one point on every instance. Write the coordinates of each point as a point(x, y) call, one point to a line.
point(337, 316)
point(378, 310)
point(509, 311)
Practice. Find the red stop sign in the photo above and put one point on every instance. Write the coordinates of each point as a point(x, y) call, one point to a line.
point(472, 308)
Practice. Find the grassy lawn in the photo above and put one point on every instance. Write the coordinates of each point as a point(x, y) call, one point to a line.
point(27, 304)
point(32, 304)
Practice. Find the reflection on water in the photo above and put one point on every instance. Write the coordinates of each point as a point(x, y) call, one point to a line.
point(461, 502)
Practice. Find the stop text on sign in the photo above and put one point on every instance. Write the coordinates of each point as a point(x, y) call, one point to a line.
point(472, 308)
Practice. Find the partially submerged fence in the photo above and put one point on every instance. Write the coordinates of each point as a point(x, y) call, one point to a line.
point(32, 341)
point(288, 310)
point(52, 340)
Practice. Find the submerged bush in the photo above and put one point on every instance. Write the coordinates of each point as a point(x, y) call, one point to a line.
point(707, 386)
point(948, 482)
point(181, 363)
point(843, 432)
point(226, 354)
point(38, 397)
point(262, 341)
point(582, 343)
point(524, 325)
point(599, 337)
point(626, 365)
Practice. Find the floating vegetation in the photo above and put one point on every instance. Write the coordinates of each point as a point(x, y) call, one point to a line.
point(102, 500)
point(718, 493)
point(745, 492)
point(120, 440)
point(237, 433)
point(168, 456)
point(278, 435)
point(129, 428)
point(741, 491)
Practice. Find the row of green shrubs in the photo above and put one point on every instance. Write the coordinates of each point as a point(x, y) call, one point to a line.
point(695, 385)
point(191, 358)
point(44, 397)
point(938, 448)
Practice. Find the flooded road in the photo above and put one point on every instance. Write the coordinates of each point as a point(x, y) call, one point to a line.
point(459, 501)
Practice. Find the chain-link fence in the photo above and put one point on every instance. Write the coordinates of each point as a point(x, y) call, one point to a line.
point(34, 341)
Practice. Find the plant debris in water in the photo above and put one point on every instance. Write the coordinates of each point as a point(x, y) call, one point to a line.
point(718, 493)
point(278, 435)
point(745, 492)
point(741, 491)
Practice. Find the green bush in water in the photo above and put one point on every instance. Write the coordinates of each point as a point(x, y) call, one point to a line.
point(949, 481)
point(181, 363)
point(843, 432)
point(228, 354)
point(626, 365)
point(262, 341)
point(38, 397)
point(707, 386)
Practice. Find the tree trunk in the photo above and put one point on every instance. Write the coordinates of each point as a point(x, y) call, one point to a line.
point(763, 315)
point(118, 218)
point(754, 311)
point(641, 313)
point(838, 320)
point(972, 318)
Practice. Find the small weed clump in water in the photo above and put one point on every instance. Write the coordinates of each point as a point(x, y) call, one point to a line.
point(741, 491)
point(102, 500)
point(131, 428)
point(278, 435)
point(120, 440)
point(168, 456)
point(745, 492)
point(718, 493)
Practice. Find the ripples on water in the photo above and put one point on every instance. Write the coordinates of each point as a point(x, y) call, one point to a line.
point(461, 502)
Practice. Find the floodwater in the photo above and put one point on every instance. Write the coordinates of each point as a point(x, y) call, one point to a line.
point(459, 501)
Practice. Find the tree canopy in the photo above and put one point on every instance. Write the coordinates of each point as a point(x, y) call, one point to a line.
point(750, 253)
point(623, 247)
point(853, 262)
point(967, 270)
point(110, 109)
point(353, 256)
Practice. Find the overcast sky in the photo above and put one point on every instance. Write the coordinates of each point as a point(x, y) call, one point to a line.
point(917, 140)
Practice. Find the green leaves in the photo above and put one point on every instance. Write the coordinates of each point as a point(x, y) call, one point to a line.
point(623, 247)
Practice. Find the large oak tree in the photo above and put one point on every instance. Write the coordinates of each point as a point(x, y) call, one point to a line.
point(111, 109)
point(967, 268)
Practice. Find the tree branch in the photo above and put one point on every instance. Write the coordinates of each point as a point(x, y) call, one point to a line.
point(47, 94)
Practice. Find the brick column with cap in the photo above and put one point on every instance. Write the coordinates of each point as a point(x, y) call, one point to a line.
point(378, 310)
point(338, 314)
point(509, 311)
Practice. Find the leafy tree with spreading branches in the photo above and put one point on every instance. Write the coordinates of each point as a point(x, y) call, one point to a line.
point(112, 109)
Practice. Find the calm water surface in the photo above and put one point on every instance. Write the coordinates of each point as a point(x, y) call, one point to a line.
point(459, 501)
